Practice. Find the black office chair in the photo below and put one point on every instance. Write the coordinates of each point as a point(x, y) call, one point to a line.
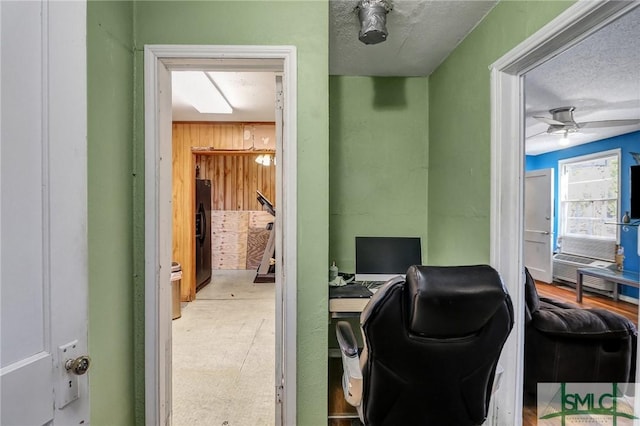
point(432, 345)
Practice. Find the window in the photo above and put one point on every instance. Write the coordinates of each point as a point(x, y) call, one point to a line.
point(589, 188)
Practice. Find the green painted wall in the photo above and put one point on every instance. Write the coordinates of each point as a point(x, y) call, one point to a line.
point(450, 133)
point(110, 132)
point(305, 25)
point(378, 167)
point(459, 131)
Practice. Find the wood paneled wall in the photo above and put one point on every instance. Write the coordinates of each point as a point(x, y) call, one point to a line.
point(212, 143)
point(235, 179)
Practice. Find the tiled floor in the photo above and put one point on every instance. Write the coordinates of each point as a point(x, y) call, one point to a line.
point(224, 354)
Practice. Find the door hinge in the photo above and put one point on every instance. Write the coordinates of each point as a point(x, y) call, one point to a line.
point(279, 100)
point(279, 394)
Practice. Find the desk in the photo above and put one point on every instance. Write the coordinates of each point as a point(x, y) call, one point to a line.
point(618, 277)
point(347, 307)
point(348, 301)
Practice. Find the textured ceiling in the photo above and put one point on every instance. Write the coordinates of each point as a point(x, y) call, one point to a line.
point(421, 35)
point(600, 76)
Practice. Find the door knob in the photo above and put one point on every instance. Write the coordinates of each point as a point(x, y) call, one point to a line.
point(78, 366)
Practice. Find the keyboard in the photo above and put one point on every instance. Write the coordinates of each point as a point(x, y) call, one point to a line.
point(371, 285)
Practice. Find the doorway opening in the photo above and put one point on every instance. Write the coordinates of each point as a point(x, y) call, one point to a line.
point(223, 351)
point(160, 61)
point(507, 169)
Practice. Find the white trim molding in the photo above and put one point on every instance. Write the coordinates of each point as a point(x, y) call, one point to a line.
point(279, 59)
point(507, 170)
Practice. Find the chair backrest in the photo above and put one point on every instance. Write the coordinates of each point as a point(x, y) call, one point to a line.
point(432, 346)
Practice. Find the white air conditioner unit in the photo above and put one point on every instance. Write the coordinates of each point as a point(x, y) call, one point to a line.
point(579, 252)
point(565, 268)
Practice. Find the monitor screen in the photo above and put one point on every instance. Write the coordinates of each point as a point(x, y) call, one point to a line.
point(635, 192)
point(380, 258)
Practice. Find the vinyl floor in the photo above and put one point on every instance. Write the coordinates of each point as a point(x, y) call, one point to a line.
point(224, 354)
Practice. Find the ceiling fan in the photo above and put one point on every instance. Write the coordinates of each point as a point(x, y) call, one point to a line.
point(563, 123)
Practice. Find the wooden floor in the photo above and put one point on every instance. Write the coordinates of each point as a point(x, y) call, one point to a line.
point(589, 300)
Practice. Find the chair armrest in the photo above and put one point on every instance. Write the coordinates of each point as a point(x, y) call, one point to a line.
point(346, 339)
point(352, 373)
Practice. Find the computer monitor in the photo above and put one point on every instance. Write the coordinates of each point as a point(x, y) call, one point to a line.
point(382, 258)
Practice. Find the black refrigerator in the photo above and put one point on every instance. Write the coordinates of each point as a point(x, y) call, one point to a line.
point(203, 232)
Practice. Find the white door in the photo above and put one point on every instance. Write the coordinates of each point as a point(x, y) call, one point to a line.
point(538, 224)
point(43, 212)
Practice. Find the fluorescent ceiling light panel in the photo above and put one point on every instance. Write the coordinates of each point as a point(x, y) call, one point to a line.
point(196, 89)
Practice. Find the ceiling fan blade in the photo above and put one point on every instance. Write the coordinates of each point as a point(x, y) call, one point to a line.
point(608, 123)
point(537, 134)
point(548, 120)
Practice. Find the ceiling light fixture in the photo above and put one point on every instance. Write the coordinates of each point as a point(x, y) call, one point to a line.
point(197, 89)
point(265, 160)
point(373, 19)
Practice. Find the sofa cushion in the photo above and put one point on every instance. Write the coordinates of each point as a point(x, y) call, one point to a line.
point(548, 303)
point(581, 323)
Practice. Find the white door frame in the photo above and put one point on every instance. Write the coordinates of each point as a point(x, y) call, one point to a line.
point(158, 244)
point(507, 169)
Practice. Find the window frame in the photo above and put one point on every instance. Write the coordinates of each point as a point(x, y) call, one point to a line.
point(617, 152)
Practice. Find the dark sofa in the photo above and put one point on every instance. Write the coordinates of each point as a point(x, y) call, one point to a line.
point(566, 343)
